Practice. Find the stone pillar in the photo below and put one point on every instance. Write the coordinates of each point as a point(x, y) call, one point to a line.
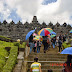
point(27, 50)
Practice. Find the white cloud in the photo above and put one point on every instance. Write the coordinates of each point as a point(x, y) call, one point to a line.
point(25, 9)
point(1, 6)
point(59, 11)
point(4, 10)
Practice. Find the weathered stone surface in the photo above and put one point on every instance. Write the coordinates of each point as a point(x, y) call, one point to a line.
point(57, 24)
point(64, 25)
point(19, 30)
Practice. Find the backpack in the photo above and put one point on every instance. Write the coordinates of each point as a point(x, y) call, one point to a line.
point(45, 39)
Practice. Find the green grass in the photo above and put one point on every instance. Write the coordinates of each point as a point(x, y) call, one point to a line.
point(4, 37)
point(11, 60)
point(4, 44)
point(23, 45)
point(65, 45)
point(4, 53)
point(7, 66)
point(2, 62)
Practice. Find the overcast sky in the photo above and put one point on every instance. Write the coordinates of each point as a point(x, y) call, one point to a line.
point(45, 10)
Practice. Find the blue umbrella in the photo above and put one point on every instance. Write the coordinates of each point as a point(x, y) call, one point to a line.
point(53, 33)
point(67, 51)
point(29, 34)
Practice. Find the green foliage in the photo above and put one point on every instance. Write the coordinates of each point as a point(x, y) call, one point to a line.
point(9, 64)
point(11, 60)
point(23, 45)
point(16, 44)
point(65, 45)
point(3, 53)
point(4, 44)
point(4, 38)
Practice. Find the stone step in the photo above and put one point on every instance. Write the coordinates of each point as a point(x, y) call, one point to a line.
point(20, 59)
point(48, 59)
point(20, 56)
point(51, 63)
point(48, 63)
point(50, 66)
point(46, 70)
point(47, 56)
point(54, 70)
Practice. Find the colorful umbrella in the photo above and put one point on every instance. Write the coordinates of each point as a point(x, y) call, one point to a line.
point(70, 31)
point(38, 38)
point(67, 51)
point(53, 33)
point(29, 34)
point(43, 32)
point(34, 34)
point(53, 36)
point(49, 29)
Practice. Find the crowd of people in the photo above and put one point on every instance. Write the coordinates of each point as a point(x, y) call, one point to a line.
point(47, 42)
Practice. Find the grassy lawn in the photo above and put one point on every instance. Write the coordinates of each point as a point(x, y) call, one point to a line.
point(65, 45)
point(7, 65)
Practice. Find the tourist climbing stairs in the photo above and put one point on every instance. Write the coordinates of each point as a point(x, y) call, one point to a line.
point(49, 60)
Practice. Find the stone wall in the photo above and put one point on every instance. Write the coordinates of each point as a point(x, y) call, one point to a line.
point(19, 30)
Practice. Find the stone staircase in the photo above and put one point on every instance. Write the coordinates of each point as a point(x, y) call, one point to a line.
point(49, 60)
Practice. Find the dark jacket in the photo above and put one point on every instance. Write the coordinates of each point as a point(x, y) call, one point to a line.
point(31, 38)
point(60, 42)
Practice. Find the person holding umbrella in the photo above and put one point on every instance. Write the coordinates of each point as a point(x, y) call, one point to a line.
point(68, 63)
point(45, 43)
point(44, 32)
point(31, 43)
point(30, 36)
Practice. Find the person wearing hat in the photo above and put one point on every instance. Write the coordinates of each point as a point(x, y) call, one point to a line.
point(35, 67)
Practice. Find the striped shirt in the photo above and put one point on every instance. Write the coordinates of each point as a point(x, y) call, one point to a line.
point(35, 67)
